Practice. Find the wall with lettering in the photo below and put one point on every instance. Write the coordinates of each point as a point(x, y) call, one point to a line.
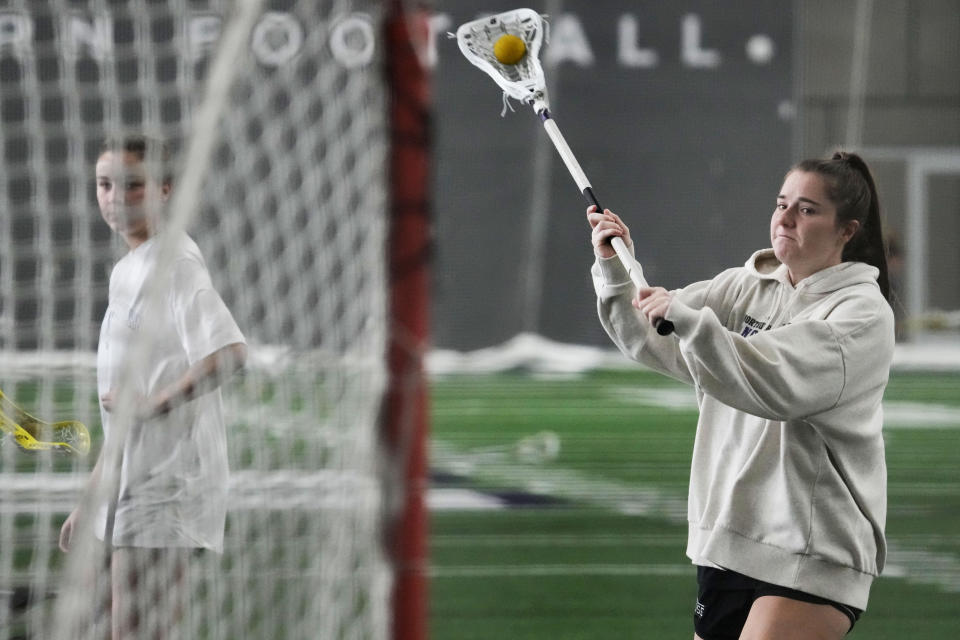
point(682, 116)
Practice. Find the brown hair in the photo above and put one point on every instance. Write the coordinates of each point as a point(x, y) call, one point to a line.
point(146, 148)
point(851, 189)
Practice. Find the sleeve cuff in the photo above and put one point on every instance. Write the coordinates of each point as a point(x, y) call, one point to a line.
point(683, 317)
point(613, 271)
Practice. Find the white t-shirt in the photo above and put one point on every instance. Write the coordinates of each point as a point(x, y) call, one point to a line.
point(173, 482)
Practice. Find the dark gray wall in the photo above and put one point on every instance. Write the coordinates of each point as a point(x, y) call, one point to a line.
point(910, 103)
point(691, 157)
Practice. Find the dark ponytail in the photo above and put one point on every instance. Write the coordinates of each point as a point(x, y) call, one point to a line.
point(851, 188)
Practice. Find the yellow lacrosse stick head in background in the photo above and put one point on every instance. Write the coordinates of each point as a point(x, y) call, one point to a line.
point(33, 434)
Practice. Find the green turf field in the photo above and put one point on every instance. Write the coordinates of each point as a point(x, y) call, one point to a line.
point(591, 544)
point(600, 554)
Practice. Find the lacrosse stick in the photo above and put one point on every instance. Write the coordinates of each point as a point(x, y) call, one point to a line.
point(506, 46)
point(538, 448)
point(33, 434)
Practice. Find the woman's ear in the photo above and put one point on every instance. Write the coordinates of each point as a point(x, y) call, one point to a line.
point(165, 189)
point(850, 229)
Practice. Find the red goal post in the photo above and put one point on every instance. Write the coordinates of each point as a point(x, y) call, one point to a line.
point(406, 404)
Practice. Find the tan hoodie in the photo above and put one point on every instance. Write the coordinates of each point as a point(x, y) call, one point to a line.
point(788, 479)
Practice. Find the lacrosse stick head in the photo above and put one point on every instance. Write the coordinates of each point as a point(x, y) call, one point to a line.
point(71, 437)
point(523, 81)
point(540, 447)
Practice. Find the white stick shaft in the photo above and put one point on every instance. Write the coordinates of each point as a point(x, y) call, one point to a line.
point(663, 327)
point(629, 262)
point(566, 154)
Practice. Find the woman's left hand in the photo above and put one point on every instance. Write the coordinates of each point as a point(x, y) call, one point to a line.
point(108, 401)
point(653, 302)
point(145, 408)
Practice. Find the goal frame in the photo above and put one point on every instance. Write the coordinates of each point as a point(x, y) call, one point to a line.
point(405, 405)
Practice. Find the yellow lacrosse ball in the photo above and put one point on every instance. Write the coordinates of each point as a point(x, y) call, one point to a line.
point(509, 49)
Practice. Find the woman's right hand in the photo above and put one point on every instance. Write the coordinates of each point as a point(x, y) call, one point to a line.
point(606, 226)
point(66, 531)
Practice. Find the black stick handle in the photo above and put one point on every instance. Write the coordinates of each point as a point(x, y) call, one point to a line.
point(663, 327)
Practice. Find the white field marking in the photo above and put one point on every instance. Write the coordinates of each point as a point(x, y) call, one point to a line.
point(920, 415)
point(248, 491)
point(452, 499)
point(923, 567)
point(897, 414)
point(525, 351)
point(520, 410)
point(671, 398)
point(522, 571)
point(914, 565)
point(543, 540)
point(500, 467)
point(928, 539)
point(909, 489)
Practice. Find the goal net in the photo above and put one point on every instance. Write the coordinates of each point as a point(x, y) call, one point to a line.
point(280, 115)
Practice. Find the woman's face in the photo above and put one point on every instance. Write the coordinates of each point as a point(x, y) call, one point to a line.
point(803, 228)
point(129, 197)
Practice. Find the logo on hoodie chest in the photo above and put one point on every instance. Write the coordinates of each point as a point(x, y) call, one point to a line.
point(751, 326)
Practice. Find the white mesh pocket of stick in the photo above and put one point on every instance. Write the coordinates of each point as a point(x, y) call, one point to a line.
point(523, 80)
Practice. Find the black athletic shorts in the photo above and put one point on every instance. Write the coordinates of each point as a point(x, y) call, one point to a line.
point(724, 599)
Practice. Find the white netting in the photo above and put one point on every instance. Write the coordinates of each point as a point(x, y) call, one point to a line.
point(290, 214)
point(522, 81)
